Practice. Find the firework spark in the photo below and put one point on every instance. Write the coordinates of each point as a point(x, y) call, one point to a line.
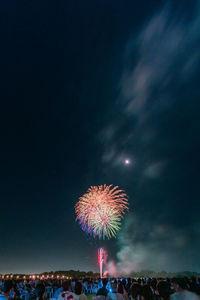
point(100, 210)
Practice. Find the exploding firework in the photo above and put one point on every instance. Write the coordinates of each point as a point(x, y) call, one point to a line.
point(100, 210)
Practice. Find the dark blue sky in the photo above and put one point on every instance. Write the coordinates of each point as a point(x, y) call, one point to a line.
point(85, 85)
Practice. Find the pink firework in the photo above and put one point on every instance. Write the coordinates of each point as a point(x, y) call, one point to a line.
point(102, 258)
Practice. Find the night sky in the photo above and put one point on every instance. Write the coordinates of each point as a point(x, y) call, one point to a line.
point(85, 85)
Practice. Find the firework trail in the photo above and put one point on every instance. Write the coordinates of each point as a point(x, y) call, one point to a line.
point(100, 210)
point(102, 258)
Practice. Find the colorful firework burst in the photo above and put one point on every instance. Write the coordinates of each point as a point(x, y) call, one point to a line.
point(100, 210)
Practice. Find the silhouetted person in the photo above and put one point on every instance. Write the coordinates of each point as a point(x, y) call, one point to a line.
point(122, 290)
point(66, 294)
point(146, 292)
point(8, 284)
point(103, 291)
point(163, 289)
point(136, 291)
point(114, 294)
point(40, 290)
point(181, 292)
point(79, 291)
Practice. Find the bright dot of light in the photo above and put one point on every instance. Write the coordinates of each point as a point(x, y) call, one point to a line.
point(127, 161)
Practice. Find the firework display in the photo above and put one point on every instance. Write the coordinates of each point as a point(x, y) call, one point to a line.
point(100, 210)
point(102, 257)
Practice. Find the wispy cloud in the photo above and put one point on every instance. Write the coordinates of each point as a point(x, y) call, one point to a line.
point(162, 58)
point(154, 170)
point(166, 54)
point(167, 49)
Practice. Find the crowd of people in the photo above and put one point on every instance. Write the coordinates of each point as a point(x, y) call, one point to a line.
point(105, 289)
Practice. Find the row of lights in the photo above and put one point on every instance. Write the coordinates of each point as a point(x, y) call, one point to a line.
point(34, 277)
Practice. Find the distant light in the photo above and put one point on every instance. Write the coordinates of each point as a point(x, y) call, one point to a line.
point(127, 161)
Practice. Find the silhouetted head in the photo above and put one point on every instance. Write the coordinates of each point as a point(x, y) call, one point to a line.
point(66, 285)
point(163, 289)
point(78, 288)
point(179, 284)
point(104, 281)
point(8, 284)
